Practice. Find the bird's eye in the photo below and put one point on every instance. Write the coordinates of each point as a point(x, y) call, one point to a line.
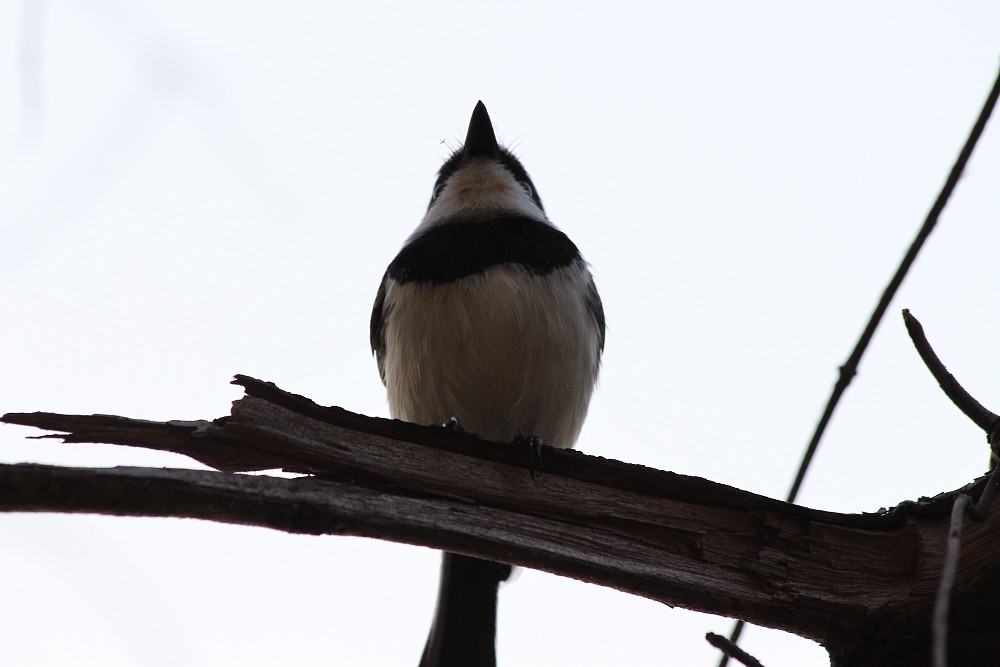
point(437, 191)
point(527, 188)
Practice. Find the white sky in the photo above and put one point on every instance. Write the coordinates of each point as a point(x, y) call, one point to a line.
point(190, 190)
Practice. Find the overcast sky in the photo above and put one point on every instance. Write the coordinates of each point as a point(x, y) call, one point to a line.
point(190, 190)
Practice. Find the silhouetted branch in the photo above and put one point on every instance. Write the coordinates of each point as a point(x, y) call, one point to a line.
point(962, 399)
point(986, 420)
point(732, 650)
point(849, 369)
point(844, 580)
point(942, 601)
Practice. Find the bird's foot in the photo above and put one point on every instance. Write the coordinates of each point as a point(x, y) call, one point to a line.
point(453, 425)
point(533, 443)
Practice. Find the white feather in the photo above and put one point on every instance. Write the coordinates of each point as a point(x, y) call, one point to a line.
point(480, 187)
point(505, 351)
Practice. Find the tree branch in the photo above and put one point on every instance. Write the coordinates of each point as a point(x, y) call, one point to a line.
point(731, 650)
point(850, 367)
point(962, 399)
point(839, 579)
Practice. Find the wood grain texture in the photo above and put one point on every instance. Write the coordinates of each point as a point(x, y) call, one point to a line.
point(860, 584)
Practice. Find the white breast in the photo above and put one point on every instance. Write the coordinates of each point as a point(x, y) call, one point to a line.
point(480, 187)
point(505, 351)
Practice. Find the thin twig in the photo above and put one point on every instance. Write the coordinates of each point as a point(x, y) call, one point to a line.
point(982, 506)
point(964, 401)
point(731, 650)
point(734, 637)
point(987, 421)
point(942, 603)
point(850, 367)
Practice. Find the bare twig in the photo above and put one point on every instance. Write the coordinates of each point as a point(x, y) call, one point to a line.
point(734, 637)
point(850, 367)
point(986, 420)
point(979, 510)
point(942, 602)
point(732, 650)
point(983, 418)
point(964, 401)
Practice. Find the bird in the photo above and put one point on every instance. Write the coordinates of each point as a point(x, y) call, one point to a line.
point(488, 316)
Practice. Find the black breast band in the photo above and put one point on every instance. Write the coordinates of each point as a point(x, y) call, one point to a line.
point(451, 251)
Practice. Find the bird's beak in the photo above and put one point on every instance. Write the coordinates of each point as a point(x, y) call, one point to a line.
point(480, 140)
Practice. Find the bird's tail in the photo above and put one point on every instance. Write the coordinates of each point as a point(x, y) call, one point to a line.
point(464, 630)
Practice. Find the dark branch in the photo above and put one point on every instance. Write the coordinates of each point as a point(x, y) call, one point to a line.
point(850, 367)
point(731, 650)
point(986, 420)
point(962, 399)
point(680, 540)
point(942, 601)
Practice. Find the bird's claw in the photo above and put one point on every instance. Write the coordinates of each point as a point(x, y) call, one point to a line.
point(453, 425)
point(534, 445)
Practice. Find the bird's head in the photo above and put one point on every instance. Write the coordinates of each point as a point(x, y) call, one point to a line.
point(482, 179)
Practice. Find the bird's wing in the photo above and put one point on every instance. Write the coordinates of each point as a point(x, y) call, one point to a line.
point(377, 331)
